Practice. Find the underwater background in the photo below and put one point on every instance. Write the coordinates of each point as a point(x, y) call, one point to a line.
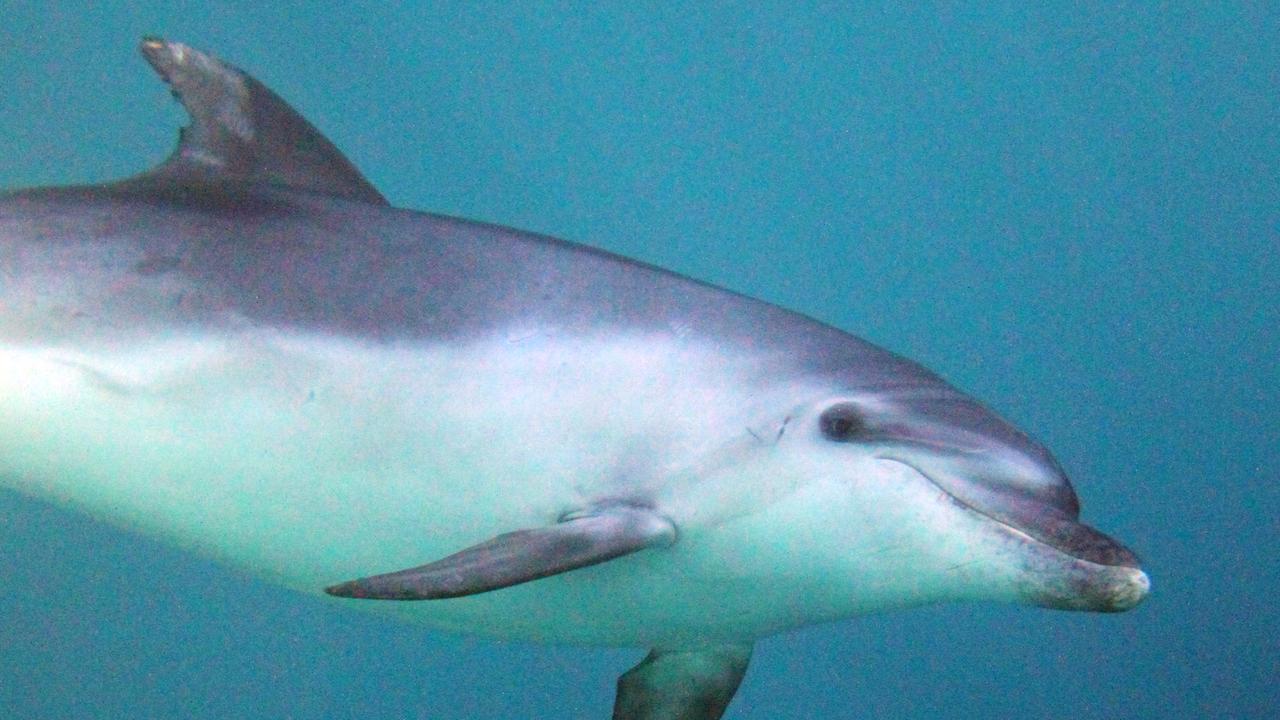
point(1071, 211)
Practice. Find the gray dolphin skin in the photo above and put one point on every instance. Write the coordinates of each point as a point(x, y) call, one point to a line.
point(248, 352)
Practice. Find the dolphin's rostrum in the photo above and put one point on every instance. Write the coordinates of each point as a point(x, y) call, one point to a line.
point(246, 350)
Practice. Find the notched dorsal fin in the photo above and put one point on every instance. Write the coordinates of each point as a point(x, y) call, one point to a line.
point(241, 130)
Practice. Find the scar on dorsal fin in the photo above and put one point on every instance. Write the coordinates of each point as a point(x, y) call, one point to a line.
point(240, 130)
point(521, 556)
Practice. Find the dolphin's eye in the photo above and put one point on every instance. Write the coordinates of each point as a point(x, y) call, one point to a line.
point(842, 422)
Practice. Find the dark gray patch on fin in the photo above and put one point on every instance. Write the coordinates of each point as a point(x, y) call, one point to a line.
point(521, 556)
point(241, 130)
point(682, 684)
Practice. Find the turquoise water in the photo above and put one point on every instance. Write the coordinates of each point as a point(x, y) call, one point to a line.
point(1072, 214)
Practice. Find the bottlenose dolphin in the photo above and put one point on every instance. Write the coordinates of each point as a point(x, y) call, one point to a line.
point(246, 350)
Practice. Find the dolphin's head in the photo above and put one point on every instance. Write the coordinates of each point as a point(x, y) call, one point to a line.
point(990, 485)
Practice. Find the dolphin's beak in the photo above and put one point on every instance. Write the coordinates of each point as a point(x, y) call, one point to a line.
point(1072, 566)
point(1066, 564)
point(1097, 588)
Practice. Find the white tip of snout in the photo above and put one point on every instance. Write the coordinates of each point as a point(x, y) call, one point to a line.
point(1129, 589)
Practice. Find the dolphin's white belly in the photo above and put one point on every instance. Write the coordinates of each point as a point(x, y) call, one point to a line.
point(312, 460)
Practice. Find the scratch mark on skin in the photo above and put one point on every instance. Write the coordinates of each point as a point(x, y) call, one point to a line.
point(782, 429)
point(884, 550)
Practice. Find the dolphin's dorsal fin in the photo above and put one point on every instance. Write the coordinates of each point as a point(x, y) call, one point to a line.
point(242, 131)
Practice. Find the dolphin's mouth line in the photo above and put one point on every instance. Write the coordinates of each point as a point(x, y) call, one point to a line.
point(1125, 560)
point(950, 495)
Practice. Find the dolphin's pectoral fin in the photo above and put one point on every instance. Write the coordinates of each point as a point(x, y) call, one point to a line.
point(241, 130)
point(521, 556)
point(682, 685)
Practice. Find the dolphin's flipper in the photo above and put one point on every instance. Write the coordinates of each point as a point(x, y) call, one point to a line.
point(682, 684)
point(521, 556)
point(240, 130)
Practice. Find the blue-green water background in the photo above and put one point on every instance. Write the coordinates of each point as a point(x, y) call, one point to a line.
point(1072, 213)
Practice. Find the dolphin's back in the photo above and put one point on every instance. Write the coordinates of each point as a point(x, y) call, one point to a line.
point(228, 254)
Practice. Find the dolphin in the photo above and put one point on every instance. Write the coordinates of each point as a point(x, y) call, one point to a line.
point(247, 351)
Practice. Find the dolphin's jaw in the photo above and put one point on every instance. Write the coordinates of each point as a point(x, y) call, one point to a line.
point(1055, 574)
point(1091, 587)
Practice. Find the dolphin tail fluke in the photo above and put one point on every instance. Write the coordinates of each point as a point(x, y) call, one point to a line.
point(240, 130)
point(521, 556)
point(682, 685)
